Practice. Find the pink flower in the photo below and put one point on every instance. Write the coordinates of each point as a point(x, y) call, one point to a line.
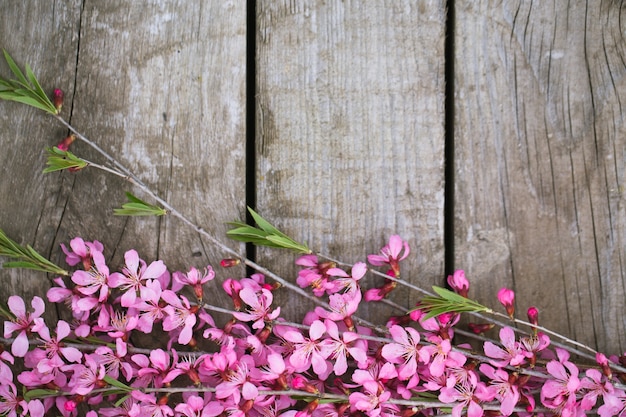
point(348, 283)
point(195, 279)
point(238, 384)
point(507, 299)
point(88, 376)
point(466, 393)
point(81, 252)
point(559, 393)
point(373, 398)
point(259, 307)
point(113, 360)
point(440, 355)
point(317, 275)
point(194, 406)
point(307, 352)
point(93, 281)
point(614, 404)
point(512, 352)
point(132, 280)
point(404, 351)
point(507, 393)
point(150, 406)
point(459, 283)
point(342, 307)
point(338, 347)
point(55, 349)
point(22, 322)
point(160, 368)
point(392, 253)
point(11, 404)
point(593, 387)
point(150, 307)
point(180, 316)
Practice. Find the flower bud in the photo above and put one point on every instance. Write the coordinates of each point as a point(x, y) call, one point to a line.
point(64, 145)
point(533, 316)
point(459, 283)
point(298, 382)
point(602, 360)
point(229, 262)
point(507, 299)
point(70, 405)
point(480, 328)
point(57, 99)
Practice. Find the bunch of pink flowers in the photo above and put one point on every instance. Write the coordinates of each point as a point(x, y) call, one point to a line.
point(259, 364)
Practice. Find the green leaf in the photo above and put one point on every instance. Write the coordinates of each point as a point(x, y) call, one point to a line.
point(263, 235)
point(449, 302)
point(59, 160)
point(137, 207)
point(25, 89)
point(117, 384)
point(36, 393)
point(264, 224)
point(14, 68)
point(26, 257)
point(121, 401)
point(287, 243)
point(38, 90)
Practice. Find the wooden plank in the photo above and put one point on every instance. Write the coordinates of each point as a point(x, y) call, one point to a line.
point(44, 35)
point(540, 160)
point(160, 85)
point(350, 132)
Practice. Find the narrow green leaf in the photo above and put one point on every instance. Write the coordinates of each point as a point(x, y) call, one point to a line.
point(14, 68)
point(28, 100)
point(138, 207)
point(264, 224)
point(238, 224)
point(59, 160)
point(449, 302)
point(263, 235)
point(287, 243)
point(32, 394)
point(25, 89)
point(45, 100)
point(247, 231)
point(117, 384)
point(23, 265)
point(121, 401)
point(26, 257)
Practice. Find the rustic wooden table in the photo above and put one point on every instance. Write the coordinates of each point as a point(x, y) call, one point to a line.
point(334, 116)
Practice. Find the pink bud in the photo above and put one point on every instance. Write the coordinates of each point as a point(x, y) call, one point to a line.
point(459, 283)
point(533, 315)
point(602, 360)
point(57, 99)
point(70, 405)
point(480, 328)
point(64, 145)
point(229, 263)
point(507, 299)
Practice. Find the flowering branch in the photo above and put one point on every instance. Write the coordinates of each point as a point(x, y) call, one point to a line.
point(259, 364)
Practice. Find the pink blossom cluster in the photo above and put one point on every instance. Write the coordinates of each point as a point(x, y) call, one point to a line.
point(262, 365)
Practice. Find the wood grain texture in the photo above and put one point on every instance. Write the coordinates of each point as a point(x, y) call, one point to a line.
point(350, 131)
point(540, 160)
point(161, 86)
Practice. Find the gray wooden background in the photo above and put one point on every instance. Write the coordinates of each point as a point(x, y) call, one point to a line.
point(349, 138)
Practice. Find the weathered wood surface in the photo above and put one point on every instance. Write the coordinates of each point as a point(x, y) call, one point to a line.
point(160, 85)
point(349, 139)
point(540, 140)
point(350, 130)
